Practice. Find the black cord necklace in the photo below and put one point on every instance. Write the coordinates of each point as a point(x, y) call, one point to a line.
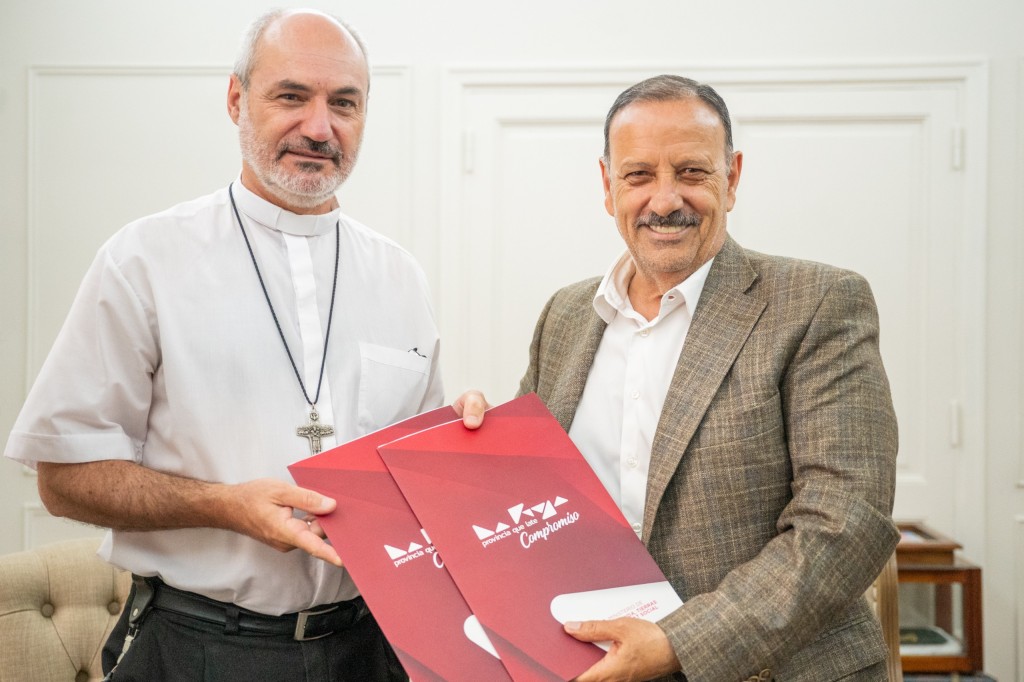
point(314, 430)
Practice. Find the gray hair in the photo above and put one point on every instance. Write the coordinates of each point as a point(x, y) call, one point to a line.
point(250, 43)
point(665, 88)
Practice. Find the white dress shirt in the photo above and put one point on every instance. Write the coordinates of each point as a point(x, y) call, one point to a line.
point(618, 413)
point(169, 357)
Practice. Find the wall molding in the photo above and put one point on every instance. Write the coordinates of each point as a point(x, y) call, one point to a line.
point(1018, 597)
point(1019, 435)
point(37, 75)
point(964, 79)
point(39, 527)
point(32, 513)
point(777, 73)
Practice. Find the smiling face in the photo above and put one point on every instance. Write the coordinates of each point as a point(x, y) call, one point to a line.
point(301, 118)
point(669, 185)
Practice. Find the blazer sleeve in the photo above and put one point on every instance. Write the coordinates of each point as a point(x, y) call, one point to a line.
point(835, 533)
point(529, 382)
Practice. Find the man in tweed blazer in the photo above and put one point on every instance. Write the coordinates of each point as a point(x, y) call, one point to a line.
point(770, 463)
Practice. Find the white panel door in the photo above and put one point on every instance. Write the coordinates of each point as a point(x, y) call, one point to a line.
point(524, 215)
point(866, 172)
point(866, 179)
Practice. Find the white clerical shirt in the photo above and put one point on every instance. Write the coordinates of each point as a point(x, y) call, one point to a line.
point(169, 357)
point(618, 413)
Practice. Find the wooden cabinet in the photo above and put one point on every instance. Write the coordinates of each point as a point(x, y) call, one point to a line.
point(940, 605)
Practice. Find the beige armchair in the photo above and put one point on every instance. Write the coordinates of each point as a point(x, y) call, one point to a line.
point(58, 603)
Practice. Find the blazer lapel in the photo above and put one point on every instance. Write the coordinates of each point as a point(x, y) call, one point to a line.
point(565, 396)
point(724, 318)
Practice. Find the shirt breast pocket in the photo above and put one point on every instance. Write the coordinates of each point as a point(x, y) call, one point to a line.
point(392, 384)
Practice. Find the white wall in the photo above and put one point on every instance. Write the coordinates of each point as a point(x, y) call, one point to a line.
point(416, 44)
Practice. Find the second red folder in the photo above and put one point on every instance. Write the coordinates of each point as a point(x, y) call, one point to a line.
point(529, 534)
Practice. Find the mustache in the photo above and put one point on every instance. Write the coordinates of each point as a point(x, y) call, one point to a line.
point(677, 218)
point(323, 148)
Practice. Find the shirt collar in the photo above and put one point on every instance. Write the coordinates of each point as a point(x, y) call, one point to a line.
point(270, 215)
point(612, 298)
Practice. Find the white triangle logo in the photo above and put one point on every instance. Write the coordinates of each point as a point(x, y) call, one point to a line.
point(394, 552)
point(482, 533)
point(413, 547)
point(516, 512)
point(538, 507)
point(501, 527)
point(549, 510)
point(559, 501)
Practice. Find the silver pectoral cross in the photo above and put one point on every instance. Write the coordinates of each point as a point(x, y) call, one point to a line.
point(314, 431)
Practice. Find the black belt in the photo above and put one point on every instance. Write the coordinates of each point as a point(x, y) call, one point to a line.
point(314, 623)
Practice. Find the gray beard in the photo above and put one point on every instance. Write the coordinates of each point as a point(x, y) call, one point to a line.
point(304, 189)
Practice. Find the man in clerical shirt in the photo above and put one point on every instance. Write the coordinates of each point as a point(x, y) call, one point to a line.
point(211, 345)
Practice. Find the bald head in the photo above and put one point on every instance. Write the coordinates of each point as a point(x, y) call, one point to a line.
point(280, 23)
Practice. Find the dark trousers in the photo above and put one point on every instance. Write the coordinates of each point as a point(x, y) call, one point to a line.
point(174, 648)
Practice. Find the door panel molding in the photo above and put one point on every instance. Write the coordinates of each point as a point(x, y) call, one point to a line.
point(493, 115)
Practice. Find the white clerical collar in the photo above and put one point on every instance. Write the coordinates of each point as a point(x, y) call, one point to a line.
point(276, 218)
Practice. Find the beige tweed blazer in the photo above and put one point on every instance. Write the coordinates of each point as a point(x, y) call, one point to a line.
point(772, 471)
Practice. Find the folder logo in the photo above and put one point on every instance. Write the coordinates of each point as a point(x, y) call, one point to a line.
point(415, 550)
point(484, 533)
point(396, 553)
point(546, 509)
point(521, 516)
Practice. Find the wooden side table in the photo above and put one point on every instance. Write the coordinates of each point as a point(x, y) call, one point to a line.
point(956, 611)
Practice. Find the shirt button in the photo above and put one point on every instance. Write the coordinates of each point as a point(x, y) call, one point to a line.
point(637, 528)
point(635, 395)
point(645, 333)
point(631, 462)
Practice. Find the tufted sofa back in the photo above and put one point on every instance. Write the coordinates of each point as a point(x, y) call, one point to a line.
point(58, 603)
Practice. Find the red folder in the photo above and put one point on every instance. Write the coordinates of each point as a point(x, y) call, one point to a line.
point(527, 531)
point(529, 534)
point(392, 560)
